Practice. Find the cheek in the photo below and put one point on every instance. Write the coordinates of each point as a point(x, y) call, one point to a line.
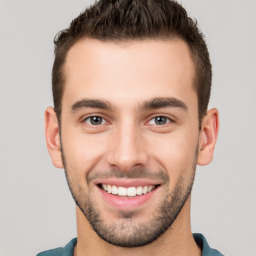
point(81, 154)
point(82, 151)
point(176, 153)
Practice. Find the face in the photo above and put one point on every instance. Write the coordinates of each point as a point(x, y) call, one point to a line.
point(129, 135)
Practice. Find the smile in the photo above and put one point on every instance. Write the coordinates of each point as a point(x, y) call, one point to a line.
point(127, 195)
point(127, 192)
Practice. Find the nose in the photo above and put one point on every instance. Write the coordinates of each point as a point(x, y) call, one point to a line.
point(128, 148)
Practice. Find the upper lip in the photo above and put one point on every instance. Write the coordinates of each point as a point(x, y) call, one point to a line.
point(127, 182)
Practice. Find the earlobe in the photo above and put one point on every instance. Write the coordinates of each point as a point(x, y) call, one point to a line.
point(52, 137)
point(208, 137)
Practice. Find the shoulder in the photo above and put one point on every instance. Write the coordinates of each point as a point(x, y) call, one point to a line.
point(61, 251)
point(203, 244)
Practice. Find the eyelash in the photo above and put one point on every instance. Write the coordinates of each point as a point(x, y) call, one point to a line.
point(96, 116)
point(167, 119)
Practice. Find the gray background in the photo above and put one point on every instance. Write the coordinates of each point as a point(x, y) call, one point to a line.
point(37, 211)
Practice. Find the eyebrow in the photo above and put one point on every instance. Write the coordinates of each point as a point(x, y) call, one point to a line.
point(155, 103)
point(91, 103)
point(163, 102)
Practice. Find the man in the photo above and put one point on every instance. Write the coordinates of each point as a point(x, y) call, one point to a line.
point(131, 84)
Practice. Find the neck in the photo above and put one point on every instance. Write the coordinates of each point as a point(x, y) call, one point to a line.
point(176, 241)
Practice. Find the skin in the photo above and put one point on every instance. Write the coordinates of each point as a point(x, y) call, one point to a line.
point(128, 76)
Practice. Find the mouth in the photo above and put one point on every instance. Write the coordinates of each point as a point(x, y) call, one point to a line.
point(121, 195)
point(129, 192)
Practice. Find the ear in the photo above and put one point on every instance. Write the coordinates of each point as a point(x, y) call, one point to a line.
point(208, 137)
point(52, 137)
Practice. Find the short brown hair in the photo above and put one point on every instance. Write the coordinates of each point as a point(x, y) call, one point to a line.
point(123, 20)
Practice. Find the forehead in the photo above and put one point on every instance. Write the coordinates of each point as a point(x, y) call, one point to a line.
point(131, 71)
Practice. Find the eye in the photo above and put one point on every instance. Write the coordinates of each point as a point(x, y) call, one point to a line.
point(95, 120)
point(159, 120)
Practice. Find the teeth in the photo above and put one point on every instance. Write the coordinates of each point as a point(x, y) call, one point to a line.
point(122, 191)
point(129, 192)
point(150, 188)
point(139, 191)
point(114, 190)
point(145, 190)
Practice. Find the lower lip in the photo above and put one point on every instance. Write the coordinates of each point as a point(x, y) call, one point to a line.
point(127, 203)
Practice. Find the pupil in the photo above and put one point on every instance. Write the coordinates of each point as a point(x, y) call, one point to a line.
point(160, 120)
point(96, 120)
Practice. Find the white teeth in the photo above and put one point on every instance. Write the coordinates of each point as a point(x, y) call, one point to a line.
point(150, 188)
point(139, 191)
point(109, 189)
point(122, 191)
point(114, 190)
point(129, 192)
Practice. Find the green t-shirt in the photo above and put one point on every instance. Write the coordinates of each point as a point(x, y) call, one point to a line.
point(68, 250)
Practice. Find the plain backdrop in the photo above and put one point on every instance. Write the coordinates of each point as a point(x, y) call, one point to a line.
point(37, 211)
